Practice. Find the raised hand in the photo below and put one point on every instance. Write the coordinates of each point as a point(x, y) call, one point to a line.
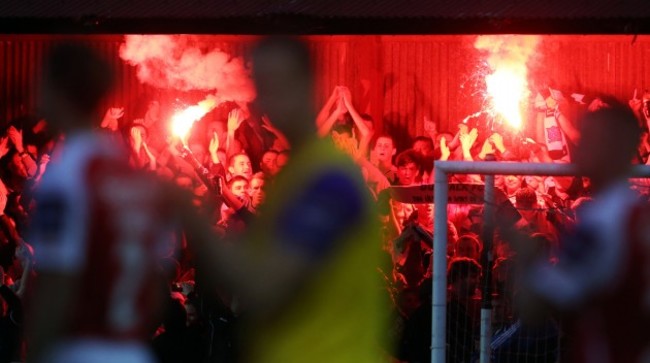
point(4, 146)
point(488, 148)
point(473, 135)
point(115, 112)
point(45, 159)
point(136, 136)
point(110, 118)
point(346, 95)
point(497, 140)
point(444, 149)
point(150, 155)
point(340, 107)
point(267, 125)
point(16, 138)
point(213, 147)
point(467, 140)
point(636, 104)
point(235, 119)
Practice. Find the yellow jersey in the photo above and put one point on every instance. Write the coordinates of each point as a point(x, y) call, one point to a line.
point(341, 313)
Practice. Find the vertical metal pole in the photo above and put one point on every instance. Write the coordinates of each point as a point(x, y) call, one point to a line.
point(487, 258)
point(439, 305)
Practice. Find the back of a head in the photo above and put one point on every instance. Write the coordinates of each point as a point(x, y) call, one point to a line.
point(525, 198)
point(291, 47)
point(409, 156)
point(608, 141)
point(76, 76)
point(284, 77)
point(462, 267)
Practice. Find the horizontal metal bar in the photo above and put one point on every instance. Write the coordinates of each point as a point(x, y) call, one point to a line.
point(505, 168)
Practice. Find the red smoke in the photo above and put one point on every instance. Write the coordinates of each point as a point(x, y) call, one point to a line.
point(187, 63)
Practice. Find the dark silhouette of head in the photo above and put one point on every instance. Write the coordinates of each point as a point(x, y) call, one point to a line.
point(75, 81)
point(608, 142)
point(283, 75)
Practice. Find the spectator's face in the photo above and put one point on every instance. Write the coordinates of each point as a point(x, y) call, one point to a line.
point(281, 161)
point(384, 150)
point(269, 163)
point(425, 212)
point(534, 182)
point(424, 148)
point(257, 198)
point(407, 173)
point(242, 166)
point(257, 185)
point(239, 189)
point(512, 183)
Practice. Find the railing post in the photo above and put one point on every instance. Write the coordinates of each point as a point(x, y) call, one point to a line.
point(439, 303)
point(487, 260)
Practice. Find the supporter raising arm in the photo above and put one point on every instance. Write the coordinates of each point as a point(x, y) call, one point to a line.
point(444, 150)
point(324, 113)
point(26, 159)
point(325, 127)
point(111, 118)
point(567, 126)
point(364, 131)
point(467, 140)
point(641, 108)
point(281, 143)
point(4, 146)
point(235, 119)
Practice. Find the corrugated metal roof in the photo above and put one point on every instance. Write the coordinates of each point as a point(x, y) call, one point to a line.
point(441, 9)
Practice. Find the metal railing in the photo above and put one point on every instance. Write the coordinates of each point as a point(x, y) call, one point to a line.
point(489, 168)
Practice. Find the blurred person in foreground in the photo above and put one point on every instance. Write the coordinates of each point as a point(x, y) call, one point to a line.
point(97, 230)
point(601, 283)
point(307, 270)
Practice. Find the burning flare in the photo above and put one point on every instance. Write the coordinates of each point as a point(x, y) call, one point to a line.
point(183, 121)
point(507, 82)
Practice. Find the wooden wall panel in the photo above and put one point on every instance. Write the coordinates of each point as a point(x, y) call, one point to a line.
point(398, 80)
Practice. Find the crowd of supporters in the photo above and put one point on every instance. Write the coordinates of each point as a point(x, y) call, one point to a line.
point(228, 163)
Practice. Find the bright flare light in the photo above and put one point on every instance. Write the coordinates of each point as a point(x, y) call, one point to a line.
point(183, 121)
point(507, 81)
point(507, 90)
